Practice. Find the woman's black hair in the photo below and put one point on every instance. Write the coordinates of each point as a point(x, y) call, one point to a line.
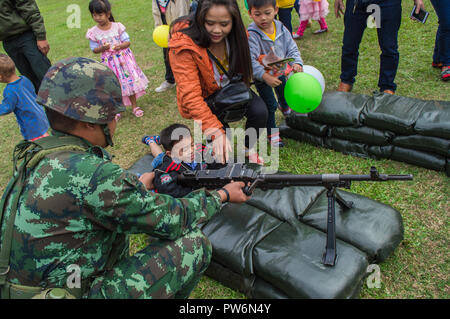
point(239, 55)
point(101, 6)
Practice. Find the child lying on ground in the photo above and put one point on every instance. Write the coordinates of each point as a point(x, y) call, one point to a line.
point(178, 157)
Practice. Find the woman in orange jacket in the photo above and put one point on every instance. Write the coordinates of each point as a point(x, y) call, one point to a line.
point(216, 25)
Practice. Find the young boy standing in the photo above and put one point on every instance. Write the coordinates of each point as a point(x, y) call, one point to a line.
point(19, 97)
point(269, 41)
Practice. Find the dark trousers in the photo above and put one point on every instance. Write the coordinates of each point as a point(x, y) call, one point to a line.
point(169, 74)
point(266, 93)
point(29, 60)
point(355, 22)
point(442, 44)
point(284, 15)
point(256, 117)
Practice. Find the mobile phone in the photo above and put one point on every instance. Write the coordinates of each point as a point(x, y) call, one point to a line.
point(281, 61)
point(422, 16)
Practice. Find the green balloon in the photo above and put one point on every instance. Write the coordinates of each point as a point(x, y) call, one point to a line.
point(246, 4)
point(303, 92)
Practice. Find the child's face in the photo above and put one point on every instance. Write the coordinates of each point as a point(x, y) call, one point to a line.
point(183, 150)
point(101, 18)
point(218, 23)
point(263, 16)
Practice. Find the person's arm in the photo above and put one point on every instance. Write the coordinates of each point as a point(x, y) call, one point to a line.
point(339, 8)
point(118, 200)
point(101, 48)
point(293, 52)
point(124, 39)
point(9, 102)
point(189, 90)
point(255, 52)
point(29, 11)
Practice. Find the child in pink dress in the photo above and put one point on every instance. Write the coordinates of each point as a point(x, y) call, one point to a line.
point(312, 10)
point(110, 39)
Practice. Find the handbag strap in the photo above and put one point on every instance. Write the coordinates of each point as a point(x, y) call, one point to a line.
point(212, 56)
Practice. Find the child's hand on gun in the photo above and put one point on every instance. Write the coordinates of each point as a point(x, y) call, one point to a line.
point(270, 80)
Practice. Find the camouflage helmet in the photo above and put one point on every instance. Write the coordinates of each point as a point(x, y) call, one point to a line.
point(82, 89)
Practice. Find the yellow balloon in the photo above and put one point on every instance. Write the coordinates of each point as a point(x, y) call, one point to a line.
point(161, 35)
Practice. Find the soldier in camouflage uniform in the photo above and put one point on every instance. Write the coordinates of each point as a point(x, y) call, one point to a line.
point(73, 206)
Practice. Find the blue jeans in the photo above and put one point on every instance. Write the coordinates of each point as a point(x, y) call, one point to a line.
point(355, 22)
point(284, 15)
point(442, 44)
point(266, 93)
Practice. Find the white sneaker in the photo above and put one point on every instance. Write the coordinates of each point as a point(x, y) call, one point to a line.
point(164, 87)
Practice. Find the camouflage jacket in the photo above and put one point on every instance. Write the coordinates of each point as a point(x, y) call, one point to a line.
point(74, 203)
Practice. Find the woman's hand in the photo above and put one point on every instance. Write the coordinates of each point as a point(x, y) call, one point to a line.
point(271, 80)
point(221, 148)
point(147, 180)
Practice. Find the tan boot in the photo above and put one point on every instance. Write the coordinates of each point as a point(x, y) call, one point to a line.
point(344, 87)
point(389, 92)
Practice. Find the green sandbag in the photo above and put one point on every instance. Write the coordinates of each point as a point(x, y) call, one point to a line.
point(286, 131)
point(372, 227)
point(447, 167)
point(289, 258)
point(426, 144)
point(142, 165)
point(347, 147)
point(303, 123)
point(377, 234)
point(340, 108)
point(381, 151)
point(363, 134)
point(285, 255)
point(234, 232)
point(434, 120)
point(431, 161)
point(393, 113)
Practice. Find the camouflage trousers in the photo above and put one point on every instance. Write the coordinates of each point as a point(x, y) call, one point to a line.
point(164, 269)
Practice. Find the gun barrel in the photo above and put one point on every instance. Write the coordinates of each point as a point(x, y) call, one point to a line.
point(323, 178)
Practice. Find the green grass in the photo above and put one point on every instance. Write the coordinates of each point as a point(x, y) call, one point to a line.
point(419, 268)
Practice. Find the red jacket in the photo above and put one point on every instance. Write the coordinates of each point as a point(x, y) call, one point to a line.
point(194, 75)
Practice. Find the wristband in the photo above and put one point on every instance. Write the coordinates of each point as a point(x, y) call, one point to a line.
point(226, 193)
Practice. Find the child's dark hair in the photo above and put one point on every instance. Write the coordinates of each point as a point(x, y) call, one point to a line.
point(260, 3)
point(239, 59)
point(101, 6)
point(173, 134)
point(7, 66)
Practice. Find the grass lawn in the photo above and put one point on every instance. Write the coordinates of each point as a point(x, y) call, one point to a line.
point(419, 268)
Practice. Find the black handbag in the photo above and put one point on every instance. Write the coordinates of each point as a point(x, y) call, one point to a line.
point(229, 103)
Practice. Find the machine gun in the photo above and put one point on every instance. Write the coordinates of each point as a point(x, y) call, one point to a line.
point(217, 178)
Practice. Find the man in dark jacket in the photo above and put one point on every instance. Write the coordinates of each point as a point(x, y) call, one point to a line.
point(22, 32)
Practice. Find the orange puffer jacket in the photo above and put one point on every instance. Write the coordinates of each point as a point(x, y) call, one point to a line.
point(194, 75)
